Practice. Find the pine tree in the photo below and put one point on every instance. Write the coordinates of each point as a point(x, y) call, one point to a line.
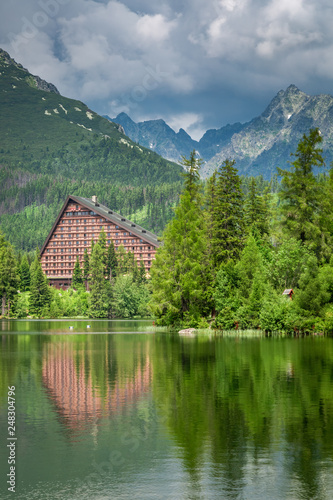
point(40, 295)
point(100, 298)
point(86, 266)
point(77, 279)
point(255, 211)
point(142, 280)
point(24, 271)
point(102, 244)
point(9, 277)
point(301, 197)
point(180, 281)
point(112, 262)
point(228, 215)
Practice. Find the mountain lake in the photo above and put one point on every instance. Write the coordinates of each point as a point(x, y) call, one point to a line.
point(117, 410)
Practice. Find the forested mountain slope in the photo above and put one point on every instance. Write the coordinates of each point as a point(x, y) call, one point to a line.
point(52, 146)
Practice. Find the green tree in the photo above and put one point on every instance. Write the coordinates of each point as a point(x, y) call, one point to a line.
point(180, 272)
point(112, 262)
point(9, 277)
point(255, 211)
point(40, 295)
point(300, 196)
point(24, 271)
point(100, 293)
point(77, 279)
point(86, 266)
point(228, 215)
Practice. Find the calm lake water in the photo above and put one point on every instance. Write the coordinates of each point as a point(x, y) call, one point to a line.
point(125, 413)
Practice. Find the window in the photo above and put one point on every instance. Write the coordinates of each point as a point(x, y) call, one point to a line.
point(85, 242)
point(117, 242)
point(116, 234)
point(85, 220)
point(69, 257)
point(148, 248)
point(47, 250)
point(125, 242)
point(132, 248)
point(148, 262)
point(141, 241)
point(61, 229)
point(125, 233)
point(77, 235)
point(85, 228)
point(109, 234)
point(61, 236)
point(77, 207)
point(54, 251)
point(54, 243)
point(62, 250)
point(100, 220)
point(62, 257)
point(117, 227)
point(69, 235)
point(140, 248)
point(62, 243)
point(109, 241)
point(132, 241)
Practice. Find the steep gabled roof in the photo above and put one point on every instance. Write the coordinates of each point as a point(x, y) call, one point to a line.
point(108, 214)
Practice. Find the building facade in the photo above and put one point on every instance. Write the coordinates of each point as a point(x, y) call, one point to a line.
point(79, 222)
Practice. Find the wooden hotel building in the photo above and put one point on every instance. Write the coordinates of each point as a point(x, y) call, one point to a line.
point(79, 222)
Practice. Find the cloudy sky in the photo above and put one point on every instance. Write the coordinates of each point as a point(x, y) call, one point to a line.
point(197, 64)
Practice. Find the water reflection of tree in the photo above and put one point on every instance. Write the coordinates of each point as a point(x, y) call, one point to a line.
point(227, 401)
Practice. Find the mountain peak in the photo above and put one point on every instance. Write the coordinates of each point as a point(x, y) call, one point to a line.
point(38, 82)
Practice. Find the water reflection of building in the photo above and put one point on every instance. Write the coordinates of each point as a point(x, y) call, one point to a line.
point(80, 401)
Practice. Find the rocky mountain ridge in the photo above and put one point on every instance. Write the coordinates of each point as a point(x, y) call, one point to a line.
point(258, 146)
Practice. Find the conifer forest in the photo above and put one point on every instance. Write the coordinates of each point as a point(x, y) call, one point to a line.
point(238, 253)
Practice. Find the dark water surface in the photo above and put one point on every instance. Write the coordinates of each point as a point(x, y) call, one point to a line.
point(125, 413)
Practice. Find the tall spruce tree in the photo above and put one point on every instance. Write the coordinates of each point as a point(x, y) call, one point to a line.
point(24, 271)
point(77, 279)
point(228, 215)
point(9, 277)
point(180, 281)
point(100, 292)
point(40, 294)
point(86, 266)
point(301, 196)
point(255, 211)
point(112, 262)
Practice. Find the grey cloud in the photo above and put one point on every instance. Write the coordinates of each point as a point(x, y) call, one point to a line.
point(220, 60)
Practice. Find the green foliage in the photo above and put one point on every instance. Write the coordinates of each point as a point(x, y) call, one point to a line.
point(112, 263)
point(100, 291)
point(24, 271)
point(129, 298)
point(227, 215)
point(301, 196)
point(9, 277)
point(180, 273)
point(40, 293)
point(77, 279)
